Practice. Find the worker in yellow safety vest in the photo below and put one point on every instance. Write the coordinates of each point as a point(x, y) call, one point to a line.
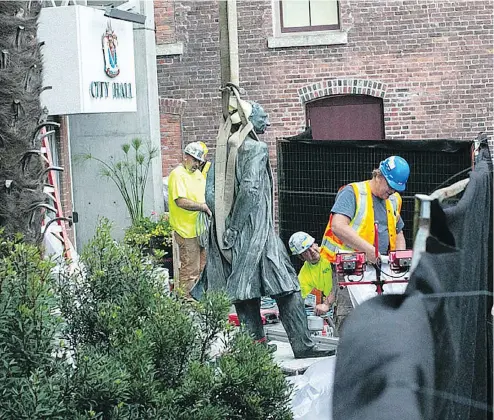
point(358, 206)
point(316, 273)
point(186, 200)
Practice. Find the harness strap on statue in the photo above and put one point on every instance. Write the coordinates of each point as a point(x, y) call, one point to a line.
point(234, 142)
point(219, 175)
point(221, 163)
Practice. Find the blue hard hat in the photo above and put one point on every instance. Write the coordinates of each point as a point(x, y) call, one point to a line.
point(396, 171)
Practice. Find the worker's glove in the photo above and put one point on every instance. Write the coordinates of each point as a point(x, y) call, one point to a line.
point(229, 238)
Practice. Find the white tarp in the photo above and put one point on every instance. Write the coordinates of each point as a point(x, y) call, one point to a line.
point(313, 395)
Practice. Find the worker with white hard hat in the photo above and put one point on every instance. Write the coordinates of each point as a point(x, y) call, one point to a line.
point(316, 273)
point(357, 208)
point(186, 199)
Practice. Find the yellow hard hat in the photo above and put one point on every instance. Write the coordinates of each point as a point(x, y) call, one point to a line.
point(204, 147)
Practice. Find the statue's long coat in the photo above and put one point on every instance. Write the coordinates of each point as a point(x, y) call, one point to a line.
point(260, 264)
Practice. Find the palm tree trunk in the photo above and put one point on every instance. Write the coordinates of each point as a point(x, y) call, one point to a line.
point(21, 173)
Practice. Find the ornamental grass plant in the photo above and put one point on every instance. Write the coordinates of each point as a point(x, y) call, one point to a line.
point(129, 174)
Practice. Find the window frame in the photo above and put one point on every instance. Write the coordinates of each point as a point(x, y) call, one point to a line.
point(300, 29)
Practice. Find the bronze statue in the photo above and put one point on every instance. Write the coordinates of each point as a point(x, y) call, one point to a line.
point(245, 257)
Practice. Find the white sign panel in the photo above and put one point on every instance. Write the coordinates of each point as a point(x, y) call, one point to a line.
point(88, 59)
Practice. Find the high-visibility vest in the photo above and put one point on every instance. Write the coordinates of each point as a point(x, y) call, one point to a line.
point(363, 221)
point(205, 169)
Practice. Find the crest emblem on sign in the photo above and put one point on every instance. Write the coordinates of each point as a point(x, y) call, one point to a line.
point(110, 43)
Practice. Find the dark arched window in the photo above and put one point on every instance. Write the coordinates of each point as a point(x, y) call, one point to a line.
point(346, 117)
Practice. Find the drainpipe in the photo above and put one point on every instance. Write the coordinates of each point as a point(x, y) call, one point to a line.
point(233, 41)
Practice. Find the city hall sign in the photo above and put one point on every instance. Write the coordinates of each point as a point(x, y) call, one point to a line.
point(113, 90)
point(93, 70)
point(103, 89)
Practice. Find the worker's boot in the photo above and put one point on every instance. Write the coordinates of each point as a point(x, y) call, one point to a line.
point(294, 320)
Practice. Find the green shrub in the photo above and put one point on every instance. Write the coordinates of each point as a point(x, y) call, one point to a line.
point(104, 342)
point(32, 363)
point(150, 232)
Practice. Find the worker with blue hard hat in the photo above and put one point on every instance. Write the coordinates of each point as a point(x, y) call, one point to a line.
point(359, 205)
point(396, 171)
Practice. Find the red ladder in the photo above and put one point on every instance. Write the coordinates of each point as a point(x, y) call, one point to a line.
point(51, 189)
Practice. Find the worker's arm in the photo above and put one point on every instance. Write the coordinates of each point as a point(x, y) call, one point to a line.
point(178, 191)
point(191, 205)
point(323, 308)
point(341, 228)
point(400, 241)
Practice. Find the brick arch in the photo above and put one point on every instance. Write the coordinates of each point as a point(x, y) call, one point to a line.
point(172, 106)
point(347, 86)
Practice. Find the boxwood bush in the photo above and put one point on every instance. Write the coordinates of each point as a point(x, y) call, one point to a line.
point(103, 341)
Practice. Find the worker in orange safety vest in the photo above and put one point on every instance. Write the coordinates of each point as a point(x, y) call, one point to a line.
point(361, 204)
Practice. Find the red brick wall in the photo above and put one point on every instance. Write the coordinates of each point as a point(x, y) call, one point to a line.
point(435, 58)
point(195, 75)
point(164, 19)
point(171, 111)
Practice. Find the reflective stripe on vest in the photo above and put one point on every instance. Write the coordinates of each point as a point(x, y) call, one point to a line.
point(393, 210)
point(363, 221)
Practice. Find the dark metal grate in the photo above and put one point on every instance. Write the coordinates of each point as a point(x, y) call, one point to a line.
point(310, 174)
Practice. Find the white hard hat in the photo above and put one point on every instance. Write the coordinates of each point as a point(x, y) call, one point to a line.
point(195, 150)
point(233, 106)
point(300, 242)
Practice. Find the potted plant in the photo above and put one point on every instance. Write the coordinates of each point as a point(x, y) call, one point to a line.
point(152, 235)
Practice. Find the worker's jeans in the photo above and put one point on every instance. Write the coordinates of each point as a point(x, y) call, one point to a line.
point(190, 261)
point(343, 308)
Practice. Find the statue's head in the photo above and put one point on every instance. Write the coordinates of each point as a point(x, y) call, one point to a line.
point(252, 111)
point(259, 118)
